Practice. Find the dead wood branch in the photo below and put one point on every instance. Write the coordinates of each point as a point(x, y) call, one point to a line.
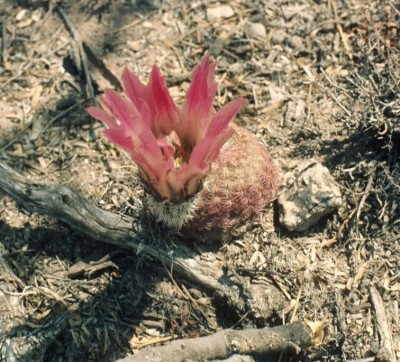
point(30, 345)
point(68, 206)
point(386, 351)
point(290, 338)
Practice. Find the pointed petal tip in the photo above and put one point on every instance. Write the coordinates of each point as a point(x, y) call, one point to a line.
point(155, 71)
point(126, 75)
point(201, 93)
point(91, 109)
point(240, 102)
point(125, 70)
point(220, 121)
point(207, 61)
point(102, 116)
point(94, 111)
point(233, 107)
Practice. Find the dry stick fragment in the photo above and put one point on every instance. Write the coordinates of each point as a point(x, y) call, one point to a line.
point(329, 242)
point(97, 62)
point(364, 197)
point(87, 269)
point(357, 210)
point(7, 274)
point(82, 53)
point(340, 30)
point(394, 8)
point(3, 42)
point(386, 351)
point(290, 338)
point(186, 295)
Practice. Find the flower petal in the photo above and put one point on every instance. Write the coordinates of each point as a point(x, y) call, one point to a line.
point(207, 150)
point(143, 150)
point(166, 115)
point(198, 107)
point(167, 148)
point(118, 138)
point(184, 183)
point(136, 91)
point(99, 114)
point(221, 119)
point(119, 106)
point(201, 93)
point(131, 121)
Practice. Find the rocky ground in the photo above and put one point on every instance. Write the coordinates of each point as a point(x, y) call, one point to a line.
point(323, 81)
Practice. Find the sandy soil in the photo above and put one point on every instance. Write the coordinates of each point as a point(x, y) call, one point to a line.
point(323, 81)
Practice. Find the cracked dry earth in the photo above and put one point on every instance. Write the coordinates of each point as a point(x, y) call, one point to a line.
point(322, 79)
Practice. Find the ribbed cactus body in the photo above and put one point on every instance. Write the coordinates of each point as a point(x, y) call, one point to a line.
point(241, 183)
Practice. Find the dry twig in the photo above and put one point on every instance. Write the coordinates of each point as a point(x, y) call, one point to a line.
point(386, 351)
point(82, 54)
point(340, 30)
point(288, 338)
point(3, 41)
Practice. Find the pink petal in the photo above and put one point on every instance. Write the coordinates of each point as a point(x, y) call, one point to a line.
point(199, 103)
point(167, 148)
point(99, 114)
point(143, 150)
point(147, 145)
point(130, 119)
point(117, 137)
point(136, 91)
point(201, 93)
point(105, 104)
point(146, 114)
point(166, 110)
point(221, 119)
point(207, 150)
point(119, 106)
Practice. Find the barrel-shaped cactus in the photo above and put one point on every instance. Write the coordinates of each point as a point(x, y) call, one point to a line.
point(202, 173)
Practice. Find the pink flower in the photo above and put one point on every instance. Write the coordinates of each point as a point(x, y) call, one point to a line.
point(172, 146)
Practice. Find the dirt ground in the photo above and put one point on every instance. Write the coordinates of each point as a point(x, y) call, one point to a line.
point(322, 78)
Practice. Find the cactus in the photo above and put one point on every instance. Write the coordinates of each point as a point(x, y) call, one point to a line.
point(202, 174)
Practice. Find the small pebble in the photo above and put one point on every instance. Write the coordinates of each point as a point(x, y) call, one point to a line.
point(220, 12)
point(257, 29)
point(278, 36)
point(236, 68)
point(296, 42)
point(311, 194)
